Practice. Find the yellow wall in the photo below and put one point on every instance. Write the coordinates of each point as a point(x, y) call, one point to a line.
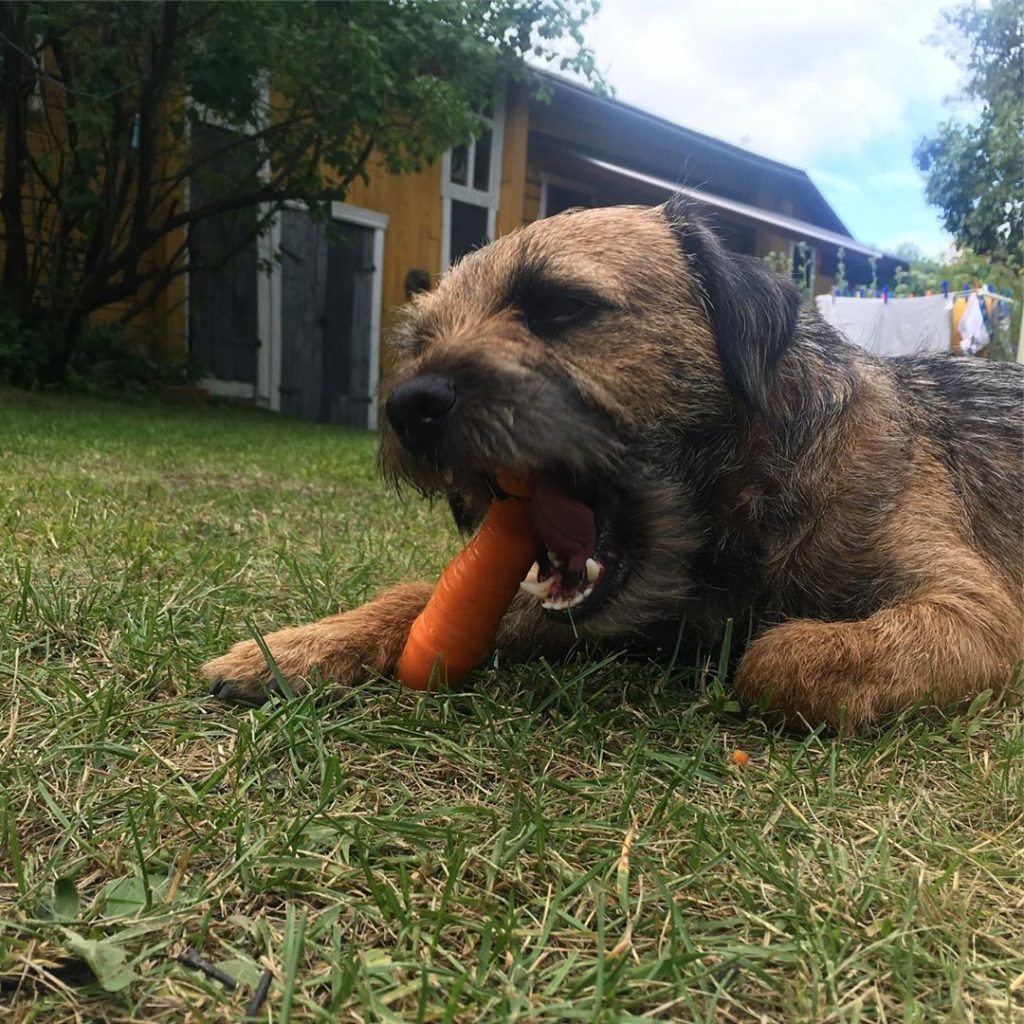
point(413, 238)
point(512, 198)
point(531, 195)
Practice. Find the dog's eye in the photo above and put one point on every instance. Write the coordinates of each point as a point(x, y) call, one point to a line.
point(548, 314)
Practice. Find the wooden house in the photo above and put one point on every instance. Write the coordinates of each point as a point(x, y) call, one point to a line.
point(294, 321)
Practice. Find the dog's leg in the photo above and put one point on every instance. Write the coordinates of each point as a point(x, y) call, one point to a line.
point(948, 643)
point(346, 648)
point(342, 648)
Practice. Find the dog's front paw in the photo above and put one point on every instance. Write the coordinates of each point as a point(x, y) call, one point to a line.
point(814, 672)
point(324, 649)
point(340, 650)
point(243, 676)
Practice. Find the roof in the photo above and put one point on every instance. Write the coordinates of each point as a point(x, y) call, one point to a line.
point(791, 225)
point(825, 225)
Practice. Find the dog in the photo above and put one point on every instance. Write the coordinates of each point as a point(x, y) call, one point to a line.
point(706, 449)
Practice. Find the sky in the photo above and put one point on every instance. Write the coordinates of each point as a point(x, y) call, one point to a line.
point(842, 91)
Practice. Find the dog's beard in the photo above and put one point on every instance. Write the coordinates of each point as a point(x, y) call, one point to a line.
point(612, 535)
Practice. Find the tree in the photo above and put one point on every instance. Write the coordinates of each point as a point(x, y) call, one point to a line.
point(975, 172)
point(106, 106)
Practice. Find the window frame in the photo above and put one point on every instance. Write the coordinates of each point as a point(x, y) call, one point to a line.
point(466, 193)
point(559, 181)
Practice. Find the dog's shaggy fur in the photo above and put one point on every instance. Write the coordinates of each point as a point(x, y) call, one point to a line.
point(740, 459)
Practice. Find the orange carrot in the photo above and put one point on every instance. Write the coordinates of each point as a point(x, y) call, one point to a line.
point(456, 629)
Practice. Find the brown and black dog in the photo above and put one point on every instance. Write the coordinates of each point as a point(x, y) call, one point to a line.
point(707, 449)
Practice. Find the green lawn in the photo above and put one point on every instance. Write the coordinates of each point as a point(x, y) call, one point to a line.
point(557, 843)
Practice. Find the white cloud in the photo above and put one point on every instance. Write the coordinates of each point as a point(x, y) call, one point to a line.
point(895, 179)
point(795, 81)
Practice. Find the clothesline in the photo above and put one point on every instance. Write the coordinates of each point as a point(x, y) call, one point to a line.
point(986, 291)
point(906, 326)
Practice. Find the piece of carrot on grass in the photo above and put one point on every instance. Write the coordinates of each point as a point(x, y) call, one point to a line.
point(457, 627)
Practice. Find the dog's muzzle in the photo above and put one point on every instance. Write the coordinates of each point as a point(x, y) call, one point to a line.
point(420, 410)
point(455, 431)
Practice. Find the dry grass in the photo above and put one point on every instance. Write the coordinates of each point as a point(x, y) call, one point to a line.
point(557, 844)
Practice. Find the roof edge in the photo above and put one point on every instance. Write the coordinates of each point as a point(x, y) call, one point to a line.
point(712, 140)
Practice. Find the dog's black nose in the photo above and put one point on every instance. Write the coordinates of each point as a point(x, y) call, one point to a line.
point(419, 410)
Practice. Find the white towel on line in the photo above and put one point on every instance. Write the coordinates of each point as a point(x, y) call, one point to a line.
point(899, 327)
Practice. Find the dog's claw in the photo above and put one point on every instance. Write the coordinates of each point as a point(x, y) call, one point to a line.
point(239, 677)
point(244, 693)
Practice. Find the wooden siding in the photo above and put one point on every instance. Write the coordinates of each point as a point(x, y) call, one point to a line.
point(413, 238)
point(513, 195)
point(531, 194)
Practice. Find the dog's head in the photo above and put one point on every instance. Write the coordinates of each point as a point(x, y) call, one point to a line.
point(584, 349)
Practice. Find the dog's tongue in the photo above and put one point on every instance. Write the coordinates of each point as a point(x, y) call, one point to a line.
point(567, 526)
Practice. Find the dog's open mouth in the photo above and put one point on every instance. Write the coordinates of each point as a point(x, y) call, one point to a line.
point(580, 560)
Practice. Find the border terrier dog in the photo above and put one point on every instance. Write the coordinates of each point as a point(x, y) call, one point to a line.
point(705, 448)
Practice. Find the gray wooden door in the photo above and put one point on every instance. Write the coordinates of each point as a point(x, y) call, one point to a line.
point(222, 315)
point(326, 302)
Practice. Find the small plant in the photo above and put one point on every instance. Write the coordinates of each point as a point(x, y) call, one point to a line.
point(841, 281)
point(780, 262)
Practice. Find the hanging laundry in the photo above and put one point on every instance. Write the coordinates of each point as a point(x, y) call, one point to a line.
point(973, 333)
point(897, 327)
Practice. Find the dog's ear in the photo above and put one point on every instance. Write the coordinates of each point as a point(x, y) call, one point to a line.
point(752, 309)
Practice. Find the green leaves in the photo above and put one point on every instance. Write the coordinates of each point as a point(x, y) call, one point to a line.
point(308, 93)
point(66, 903)
point(124, 897)
point(108, 961)
point(975, 171)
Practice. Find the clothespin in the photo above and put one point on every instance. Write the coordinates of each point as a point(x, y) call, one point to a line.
point(885, 295)
point(928, 293)
point(136, 131)
point(945, 289)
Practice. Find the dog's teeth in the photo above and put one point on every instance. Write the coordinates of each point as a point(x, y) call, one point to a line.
point(561, 604)
point(593, 570)
point(534, 574)
point(588, 591)
point(537, 589)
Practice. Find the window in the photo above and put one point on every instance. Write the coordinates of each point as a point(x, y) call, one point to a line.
point(468, 228)
point(470, 181)
point(560, 194)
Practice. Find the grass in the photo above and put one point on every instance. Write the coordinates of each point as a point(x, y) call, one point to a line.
point(556, 844)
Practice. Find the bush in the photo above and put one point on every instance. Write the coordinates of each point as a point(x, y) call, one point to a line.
point(21, 354)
